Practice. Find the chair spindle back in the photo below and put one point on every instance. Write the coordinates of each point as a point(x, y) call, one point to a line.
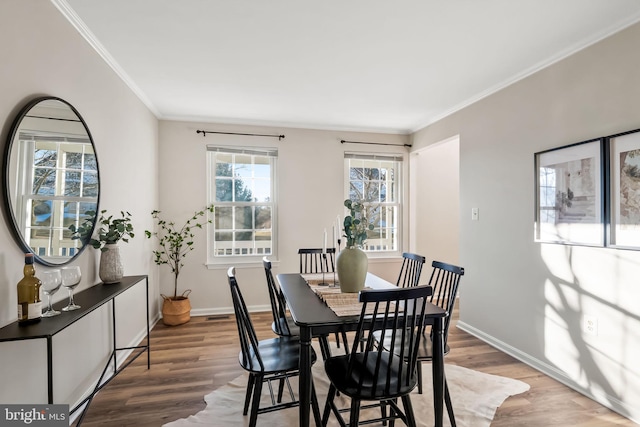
point(411, 270)
point(246, 332)
point(312, 260)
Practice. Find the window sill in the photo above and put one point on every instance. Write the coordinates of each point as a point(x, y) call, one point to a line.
point(253, 263)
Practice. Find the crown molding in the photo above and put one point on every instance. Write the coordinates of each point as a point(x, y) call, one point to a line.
point(68, 12)
point(577, 47)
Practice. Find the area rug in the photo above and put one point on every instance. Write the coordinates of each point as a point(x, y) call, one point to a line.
point(475, 395)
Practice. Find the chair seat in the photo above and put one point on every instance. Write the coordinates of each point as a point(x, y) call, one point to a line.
point(425, 350)
point(360, 382)
point(278, 355)
point(284, 323)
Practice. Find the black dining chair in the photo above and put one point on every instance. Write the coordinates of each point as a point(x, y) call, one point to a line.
point(444, 280)
point(282, 324)
point(313, 260)
point(275, 359)
point(410, 270)
point(380, 374)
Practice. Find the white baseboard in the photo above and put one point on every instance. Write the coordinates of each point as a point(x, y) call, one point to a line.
point(121, 356)
point(606, 400)
point(227, 310)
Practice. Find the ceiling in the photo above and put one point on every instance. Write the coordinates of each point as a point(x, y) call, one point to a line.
point(366, 65)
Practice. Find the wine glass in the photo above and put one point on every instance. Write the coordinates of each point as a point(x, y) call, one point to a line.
point(51, 281)
point(70, 279)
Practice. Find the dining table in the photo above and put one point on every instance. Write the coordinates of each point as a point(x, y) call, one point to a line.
point(315, 318)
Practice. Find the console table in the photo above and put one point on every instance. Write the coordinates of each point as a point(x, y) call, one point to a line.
point(89, 299)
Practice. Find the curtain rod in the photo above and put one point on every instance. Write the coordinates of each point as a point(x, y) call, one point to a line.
point(205, 132)
point(342, 141)
point(52, 118)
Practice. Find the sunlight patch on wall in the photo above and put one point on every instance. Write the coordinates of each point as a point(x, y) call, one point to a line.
point(592, 319)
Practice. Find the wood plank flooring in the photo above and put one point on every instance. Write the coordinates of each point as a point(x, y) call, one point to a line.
point(191, 360)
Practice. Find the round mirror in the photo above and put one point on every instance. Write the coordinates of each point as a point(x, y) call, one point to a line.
point(51, 179)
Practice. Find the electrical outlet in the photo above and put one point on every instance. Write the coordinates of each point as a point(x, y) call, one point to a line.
point(590, 325)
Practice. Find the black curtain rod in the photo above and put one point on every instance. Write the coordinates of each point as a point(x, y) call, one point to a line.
point(372, 143)
point(52, 118)
point(205, 132)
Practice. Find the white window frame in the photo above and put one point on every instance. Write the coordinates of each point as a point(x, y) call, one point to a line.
point(55, 246)
point(222, 261)
point(398, 159)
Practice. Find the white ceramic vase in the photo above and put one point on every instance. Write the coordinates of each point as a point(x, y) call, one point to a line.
point(111, 269)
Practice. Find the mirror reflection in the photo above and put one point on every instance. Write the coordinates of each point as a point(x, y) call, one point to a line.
point(52, 179)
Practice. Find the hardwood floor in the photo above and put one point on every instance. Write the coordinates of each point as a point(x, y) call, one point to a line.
point(191, 360)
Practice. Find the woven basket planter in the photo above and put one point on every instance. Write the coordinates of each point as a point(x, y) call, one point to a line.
point(176, 310)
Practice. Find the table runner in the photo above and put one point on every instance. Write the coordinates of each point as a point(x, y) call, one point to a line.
point(342, 304)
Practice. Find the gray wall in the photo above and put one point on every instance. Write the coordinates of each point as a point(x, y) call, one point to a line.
point(529, 298)
point(42, 54)
point(310, 185)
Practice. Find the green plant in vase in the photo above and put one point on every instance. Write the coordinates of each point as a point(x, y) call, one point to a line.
point(356, 224)
point(175, 242)
point(352, 262)
point(110, 230)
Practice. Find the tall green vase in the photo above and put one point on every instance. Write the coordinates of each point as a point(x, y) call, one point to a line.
point(352, 264)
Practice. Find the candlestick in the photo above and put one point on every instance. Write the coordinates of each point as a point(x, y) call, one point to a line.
point(324, 244)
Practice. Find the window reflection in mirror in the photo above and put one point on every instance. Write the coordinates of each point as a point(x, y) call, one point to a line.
point(52, 179)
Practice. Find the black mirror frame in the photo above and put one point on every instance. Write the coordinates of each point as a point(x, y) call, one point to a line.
point(9, 212)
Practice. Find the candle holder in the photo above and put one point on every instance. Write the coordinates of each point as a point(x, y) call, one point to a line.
point(335, 280)
point(324, 262)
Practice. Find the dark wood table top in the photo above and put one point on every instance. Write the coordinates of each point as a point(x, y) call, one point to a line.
point(308, 310)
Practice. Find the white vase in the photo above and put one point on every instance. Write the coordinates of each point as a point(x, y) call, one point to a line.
point(111, 269)
point(352, 265)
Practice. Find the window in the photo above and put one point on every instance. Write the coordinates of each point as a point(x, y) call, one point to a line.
point(241, 186)
point(548, 197)
point(375, 180)
point(59, 186)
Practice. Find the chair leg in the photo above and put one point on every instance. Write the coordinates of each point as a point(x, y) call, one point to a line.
point(447, 401)
point(247, 398)
point(255, 405)
point(280, 389)
point(337, 339)
point(419, 377)
point(327, 406)
point(383, 412)
point(346, 343)
point(324, 347)
point(355, 412)
point(393, 413)
point(408, 411)
point(314, 406)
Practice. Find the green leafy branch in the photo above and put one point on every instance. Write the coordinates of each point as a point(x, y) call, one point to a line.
point(176, 242)
point(356, 224)
point(111, 229)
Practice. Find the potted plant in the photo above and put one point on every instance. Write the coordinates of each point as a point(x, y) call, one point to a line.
point(110, 231)
point(352, 262)
point(174, 244)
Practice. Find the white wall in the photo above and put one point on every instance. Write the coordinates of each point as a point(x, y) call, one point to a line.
point(528, 298)
point(435, 202)
point(42, 54)
point(310, 196)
